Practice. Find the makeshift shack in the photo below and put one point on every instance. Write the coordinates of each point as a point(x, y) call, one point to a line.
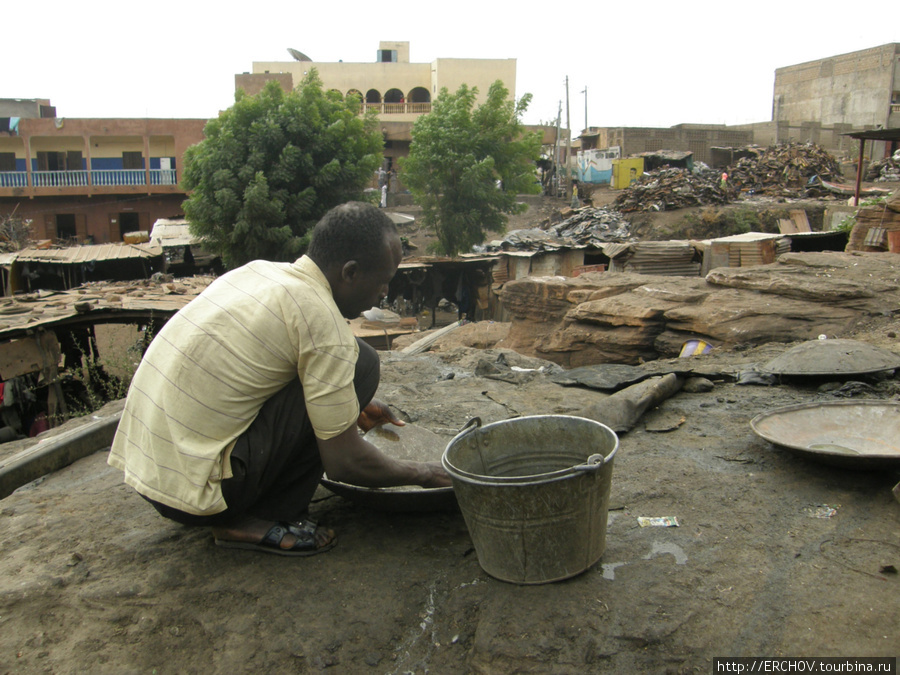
point(184, 252)
point(668, 258)
point(65, 268)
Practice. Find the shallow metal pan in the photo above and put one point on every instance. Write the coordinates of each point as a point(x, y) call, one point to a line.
point(852, 434)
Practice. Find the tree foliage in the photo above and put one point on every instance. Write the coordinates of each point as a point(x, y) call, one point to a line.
point(457, 156)
point(270, 167)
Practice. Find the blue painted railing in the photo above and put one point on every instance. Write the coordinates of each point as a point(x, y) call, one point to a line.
point(13, 179)
point(99, 178)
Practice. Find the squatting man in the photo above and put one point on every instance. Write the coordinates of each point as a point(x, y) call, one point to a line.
point(258, 386)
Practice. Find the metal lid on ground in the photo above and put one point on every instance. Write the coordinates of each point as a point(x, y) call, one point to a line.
point(833, 357)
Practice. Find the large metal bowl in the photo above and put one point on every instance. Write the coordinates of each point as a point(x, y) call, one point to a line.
point(833, 358)
point(405, 443)
point(852, 434)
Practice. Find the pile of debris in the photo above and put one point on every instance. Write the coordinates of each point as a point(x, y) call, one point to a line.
point(593, 227)
point(670, 189)
point(783, 170)
point(587, 227)
point(884, 170)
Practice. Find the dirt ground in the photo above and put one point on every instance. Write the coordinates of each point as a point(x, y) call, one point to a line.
point(93, 580)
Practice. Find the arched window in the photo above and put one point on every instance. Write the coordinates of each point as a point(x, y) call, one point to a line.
point(419, 95)
point(336, 91)
point(373, 96)
point(393, 96)
point(355, 92)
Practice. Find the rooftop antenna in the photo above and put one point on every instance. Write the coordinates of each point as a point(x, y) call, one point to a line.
point(298, 56)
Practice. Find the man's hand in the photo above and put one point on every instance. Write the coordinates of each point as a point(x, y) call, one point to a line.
point(376, 414)
point(438, 477)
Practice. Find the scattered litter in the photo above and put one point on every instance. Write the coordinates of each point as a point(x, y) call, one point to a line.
point(695, 347)
point(661, 521)
point(888, 569)
point(819, 511)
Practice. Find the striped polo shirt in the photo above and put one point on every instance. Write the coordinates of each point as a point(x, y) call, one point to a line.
point(208, 372)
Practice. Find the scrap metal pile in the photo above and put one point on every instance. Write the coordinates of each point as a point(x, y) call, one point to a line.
point(783, 170)
point(884, 170)
point(593, 227)
point(670, 189)
point(588, 227)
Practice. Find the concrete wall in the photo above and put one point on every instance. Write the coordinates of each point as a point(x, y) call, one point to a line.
point(98, 219)
point(480, 73)
point(852, 89)
point(22, 107)
point(253, 83)
point(695, 138)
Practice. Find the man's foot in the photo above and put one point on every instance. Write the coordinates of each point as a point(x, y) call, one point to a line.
point(300, 538)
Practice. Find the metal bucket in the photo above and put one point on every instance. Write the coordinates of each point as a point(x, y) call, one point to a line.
point(534, 492)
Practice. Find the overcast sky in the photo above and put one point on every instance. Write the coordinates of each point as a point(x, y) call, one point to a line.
point(645, 63)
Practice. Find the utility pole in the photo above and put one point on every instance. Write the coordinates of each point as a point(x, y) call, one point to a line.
point(568, 182)
point(585, 107)
point(554, 182)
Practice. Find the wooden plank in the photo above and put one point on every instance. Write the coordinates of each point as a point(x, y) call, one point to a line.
point(23, 356)
point(801, 222)
point(786, 226)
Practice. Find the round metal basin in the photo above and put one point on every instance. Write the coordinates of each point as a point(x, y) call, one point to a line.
point(833, 357)
point(405, 443)
point(854, 434)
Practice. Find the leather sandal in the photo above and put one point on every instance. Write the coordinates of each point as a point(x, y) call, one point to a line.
point(305, 532)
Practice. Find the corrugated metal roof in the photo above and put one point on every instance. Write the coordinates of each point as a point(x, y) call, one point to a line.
point(172, 232)
point(82, 254)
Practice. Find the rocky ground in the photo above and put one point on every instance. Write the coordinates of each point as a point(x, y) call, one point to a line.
point(774, 553)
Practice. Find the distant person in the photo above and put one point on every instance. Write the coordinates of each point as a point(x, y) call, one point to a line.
point(258, 385)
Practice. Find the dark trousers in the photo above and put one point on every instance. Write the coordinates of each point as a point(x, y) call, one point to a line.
point(275, 463)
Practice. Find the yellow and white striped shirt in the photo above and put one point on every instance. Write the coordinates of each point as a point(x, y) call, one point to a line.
point(208, 372)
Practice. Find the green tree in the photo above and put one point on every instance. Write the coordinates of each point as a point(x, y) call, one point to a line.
point(270, 167)
point(457, 155)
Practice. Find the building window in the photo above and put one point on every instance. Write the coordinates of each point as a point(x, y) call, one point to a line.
point(387, 56)
point(65, 226)
point(7, 161)
point(59, 161)
point(132, 160)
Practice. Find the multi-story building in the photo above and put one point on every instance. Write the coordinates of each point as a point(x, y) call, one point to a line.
point(399, 91)
point(821, 101)
point(90, 180)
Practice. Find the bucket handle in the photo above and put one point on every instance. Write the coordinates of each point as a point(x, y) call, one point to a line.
point(471, 425)
point(593, 463)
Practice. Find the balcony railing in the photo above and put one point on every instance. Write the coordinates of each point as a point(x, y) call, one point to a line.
point(98, 178)
point(13, 179)
point(59, 178)
point(399, 108)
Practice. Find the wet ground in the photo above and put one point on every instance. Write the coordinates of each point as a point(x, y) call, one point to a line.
point(774, 554)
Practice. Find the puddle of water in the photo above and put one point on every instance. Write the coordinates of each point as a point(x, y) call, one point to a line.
point(609, 570)
point(667, 547)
